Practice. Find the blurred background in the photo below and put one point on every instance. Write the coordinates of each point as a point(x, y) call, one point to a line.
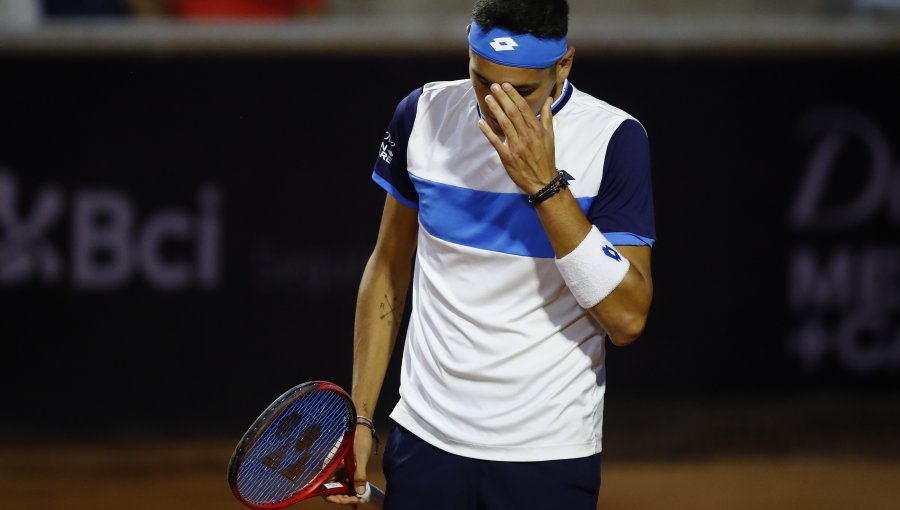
point(186, 209)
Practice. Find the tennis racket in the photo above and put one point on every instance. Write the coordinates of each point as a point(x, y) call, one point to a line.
point(291, 451)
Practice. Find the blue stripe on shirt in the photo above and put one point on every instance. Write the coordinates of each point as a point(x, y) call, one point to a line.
point(394, 192)
point(499, 222)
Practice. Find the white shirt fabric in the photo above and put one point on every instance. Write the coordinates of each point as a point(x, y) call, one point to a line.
point(500, 362)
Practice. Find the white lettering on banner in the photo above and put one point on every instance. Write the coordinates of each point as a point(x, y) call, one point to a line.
point(846, 295)
point(109, 244)
point(308, 269)
point(24, 246)
point(103, 222)
point(882, 185)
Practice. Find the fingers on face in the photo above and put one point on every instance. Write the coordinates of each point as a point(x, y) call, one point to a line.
point(547, 115)
point(500, 115)
point(493, 138)
point(514, 107)
point(522, 106)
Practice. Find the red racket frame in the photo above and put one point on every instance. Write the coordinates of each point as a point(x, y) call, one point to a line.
point(317, 486)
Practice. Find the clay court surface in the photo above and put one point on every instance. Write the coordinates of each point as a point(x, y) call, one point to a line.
point(812, 453)
point(191, 475)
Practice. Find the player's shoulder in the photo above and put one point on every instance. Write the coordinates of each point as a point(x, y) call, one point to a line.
point(437, 97)
point(458, 87)
point(436, 91)
point(441, 88)
point(447, 92)
point(424, 99)
point(597, 110)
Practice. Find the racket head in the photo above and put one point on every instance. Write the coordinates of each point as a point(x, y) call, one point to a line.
point(293, 447)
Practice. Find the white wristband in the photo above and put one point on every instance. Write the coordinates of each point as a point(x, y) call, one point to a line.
point(593, 270)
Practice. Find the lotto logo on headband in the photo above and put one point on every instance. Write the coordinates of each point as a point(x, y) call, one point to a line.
point(501, 46)
point(504, 44)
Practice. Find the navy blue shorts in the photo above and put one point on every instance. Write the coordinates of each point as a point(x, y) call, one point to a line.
point(421, 476)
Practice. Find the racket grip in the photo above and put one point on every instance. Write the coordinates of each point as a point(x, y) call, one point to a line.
point(374, 498)
point(368, 494)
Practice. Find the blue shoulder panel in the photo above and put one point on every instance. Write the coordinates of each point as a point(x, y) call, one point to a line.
point(390, 167)
point(624, 203)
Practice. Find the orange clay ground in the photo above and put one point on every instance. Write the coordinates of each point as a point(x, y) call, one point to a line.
point(181, 476)
point(793, 453)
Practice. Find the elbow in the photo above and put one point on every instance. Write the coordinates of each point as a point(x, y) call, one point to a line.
point(627, 331)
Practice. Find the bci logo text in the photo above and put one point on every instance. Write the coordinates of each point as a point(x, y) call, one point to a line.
point(110, 242)
point(844, 282)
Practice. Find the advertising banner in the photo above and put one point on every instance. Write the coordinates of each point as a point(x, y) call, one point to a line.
point(187, 234)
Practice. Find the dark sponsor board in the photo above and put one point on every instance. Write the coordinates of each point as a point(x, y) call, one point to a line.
point(182, 238)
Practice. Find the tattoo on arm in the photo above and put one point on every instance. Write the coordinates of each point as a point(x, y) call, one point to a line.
point(389, 310)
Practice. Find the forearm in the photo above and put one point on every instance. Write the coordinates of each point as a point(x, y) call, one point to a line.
point(563, 221)
point(623, 313)
point(527, 151)
point(379, 309)
point(379, 305)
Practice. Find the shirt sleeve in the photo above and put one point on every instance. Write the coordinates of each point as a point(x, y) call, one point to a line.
point(623, 207)
point(391, 171)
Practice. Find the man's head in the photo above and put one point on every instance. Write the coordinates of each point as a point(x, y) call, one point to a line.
point(547, 19)
point(522, 42)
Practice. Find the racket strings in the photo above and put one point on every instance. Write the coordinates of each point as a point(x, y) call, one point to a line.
point(294, 449)
point(272, 484)
point(303, 445)
point(275, 484)
point(290, 422)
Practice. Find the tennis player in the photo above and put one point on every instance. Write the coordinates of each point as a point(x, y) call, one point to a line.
point(526, 207)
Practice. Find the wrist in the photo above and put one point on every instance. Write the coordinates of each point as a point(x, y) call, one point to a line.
point(593, 269)
point(366, 423)
point(559, 182)
point(533, 187)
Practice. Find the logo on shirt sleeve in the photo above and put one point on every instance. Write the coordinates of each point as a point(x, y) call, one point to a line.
point(387, 144)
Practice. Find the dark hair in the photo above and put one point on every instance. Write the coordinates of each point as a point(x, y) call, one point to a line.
point(547, 19)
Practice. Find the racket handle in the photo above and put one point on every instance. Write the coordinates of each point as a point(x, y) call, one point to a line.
point(374, 497)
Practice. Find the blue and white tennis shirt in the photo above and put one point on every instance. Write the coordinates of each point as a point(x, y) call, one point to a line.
point(500, 362)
